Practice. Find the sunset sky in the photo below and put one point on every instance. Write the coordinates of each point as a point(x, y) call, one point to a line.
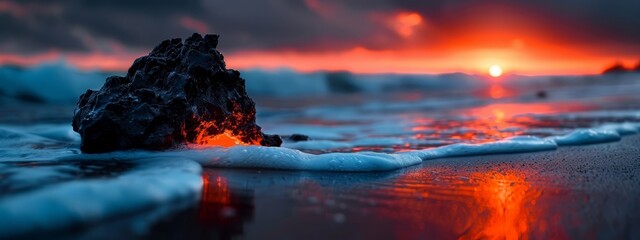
point(362, 36)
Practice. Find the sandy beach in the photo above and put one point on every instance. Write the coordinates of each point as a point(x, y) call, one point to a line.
point(588, 191)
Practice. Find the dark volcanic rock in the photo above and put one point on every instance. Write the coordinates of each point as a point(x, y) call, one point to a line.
point(178, 94)
point(619, 68)
point(616, 69)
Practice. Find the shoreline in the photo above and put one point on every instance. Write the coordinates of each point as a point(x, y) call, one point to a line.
point(574, 192)
point(558, 185)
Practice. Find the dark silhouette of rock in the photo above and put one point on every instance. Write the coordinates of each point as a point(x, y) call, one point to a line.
point(616, 68)
point(298, 137)
point(180, 93)
point(541, 94)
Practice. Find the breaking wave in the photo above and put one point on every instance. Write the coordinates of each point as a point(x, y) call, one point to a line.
point(58, 82)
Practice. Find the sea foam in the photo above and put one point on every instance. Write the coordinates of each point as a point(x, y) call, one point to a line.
point(283, 158)
point(152, 182)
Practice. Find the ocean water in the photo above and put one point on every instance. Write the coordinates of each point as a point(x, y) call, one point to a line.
point(356, 123)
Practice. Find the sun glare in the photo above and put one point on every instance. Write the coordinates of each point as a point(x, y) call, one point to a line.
point(495, 71)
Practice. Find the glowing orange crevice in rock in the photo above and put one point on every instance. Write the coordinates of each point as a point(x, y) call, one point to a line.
point(225, 139)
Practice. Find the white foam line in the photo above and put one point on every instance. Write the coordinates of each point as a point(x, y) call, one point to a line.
point(284, 158)
point(509, 145)
point(274, 158)
point(586, 136)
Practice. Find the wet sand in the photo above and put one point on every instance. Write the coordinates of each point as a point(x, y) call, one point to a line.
point(580, 192)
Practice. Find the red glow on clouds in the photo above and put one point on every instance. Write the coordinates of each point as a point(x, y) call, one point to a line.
point(12, 8)
point(28, 60)
point(469, 41)
point(405, 23)
point(194, 24)
point(321, 8)
point(518, 41)
point(537, 61)
point(362, 60)
point(83, 61)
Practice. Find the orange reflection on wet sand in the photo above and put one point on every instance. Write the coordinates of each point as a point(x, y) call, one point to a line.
point(223, 209)
point(482, 205)
point(491, 121)
point(215, 198)
point(215, 190)
point(487, 123)
point(502, 110)
point(505, 202)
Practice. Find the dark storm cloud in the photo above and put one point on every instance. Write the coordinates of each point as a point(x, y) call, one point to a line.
point(291, 24)
point(76, 25)
point(617, 21)
point(583, 21)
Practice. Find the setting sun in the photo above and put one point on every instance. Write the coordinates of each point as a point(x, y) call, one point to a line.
point(495, 71)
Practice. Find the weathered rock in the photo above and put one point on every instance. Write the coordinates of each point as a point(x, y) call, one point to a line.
point(180, 93)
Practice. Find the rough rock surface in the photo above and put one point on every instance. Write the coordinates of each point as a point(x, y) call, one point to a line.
point(180, 93)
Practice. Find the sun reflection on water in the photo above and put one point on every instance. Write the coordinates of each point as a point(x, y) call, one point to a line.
point(486, 123)
point(431, 202)
point(505, 202)
point(481, 205)
point(497, 91)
